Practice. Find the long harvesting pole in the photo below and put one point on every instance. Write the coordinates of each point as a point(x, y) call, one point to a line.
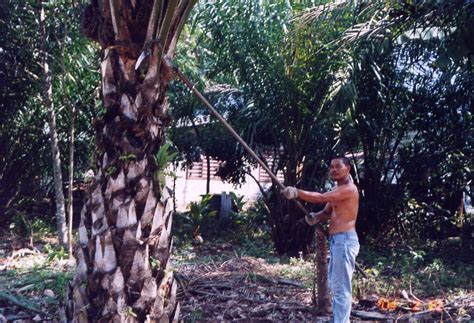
point(169, 63)
point(249, 150)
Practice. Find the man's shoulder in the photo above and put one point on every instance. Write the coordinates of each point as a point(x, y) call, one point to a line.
point(348, 186)
point(349, 189)
point(354, 188)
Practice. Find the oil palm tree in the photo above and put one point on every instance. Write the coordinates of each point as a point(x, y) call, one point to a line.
point(123, 272)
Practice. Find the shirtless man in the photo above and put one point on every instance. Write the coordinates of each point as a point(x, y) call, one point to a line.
point(342, 204)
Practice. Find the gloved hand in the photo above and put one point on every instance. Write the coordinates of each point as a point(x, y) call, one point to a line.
point(290, 192)
point(311, 218)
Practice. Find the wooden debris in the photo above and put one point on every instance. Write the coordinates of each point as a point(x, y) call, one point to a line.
point(23, 252)
point(241, 289)
point(246, 289)
point(290, 282)
point(372, 315)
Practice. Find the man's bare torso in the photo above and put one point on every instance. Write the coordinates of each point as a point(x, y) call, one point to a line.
point(344, 213)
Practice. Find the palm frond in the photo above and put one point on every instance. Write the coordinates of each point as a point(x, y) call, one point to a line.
point(377, 18)
point(311, 15)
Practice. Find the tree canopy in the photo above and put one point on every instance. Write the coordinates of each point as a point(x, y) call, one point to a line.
point(387, 83)
point(370, 80)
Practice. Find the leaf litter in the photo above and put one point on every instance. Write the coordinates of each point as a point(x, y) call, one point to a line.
point(230, 287)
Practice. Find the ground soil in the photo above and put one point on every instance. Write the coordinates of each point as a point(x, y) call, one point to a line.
point(218, 285)
point(247, 289)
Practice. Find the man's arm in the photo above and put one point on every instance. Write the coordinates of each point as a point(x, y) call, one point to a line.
point(323, 215)
point(338, 194)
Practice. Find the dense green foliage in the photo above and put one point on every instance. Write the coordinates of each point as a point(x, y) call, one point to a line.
point(21, 135)
point(25, 163)
point(280, 87)
point(409, 103)
point(387, 83)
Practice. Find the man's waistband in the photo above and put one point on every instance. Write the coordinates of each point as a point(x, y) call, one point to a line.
point(348, 234)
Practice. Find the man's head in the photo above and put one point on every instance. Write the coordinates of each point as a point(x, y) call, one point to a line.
point(339, 168)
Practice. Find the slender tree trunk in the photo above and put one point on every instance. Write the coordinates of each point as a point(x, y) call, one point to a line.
point(56, 157)
point(174, 189)
point(72, 119)
point(123, 271)
point(71, 176)
point(208, 174)
point(323, 299)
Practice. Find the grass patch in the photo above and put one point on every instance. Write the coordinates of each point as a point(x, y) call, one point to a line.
point(422, 270)
point(258, 245)
point(299, 269)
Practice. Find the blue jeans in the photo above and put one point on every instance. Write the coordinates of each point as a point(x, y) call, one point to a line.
point(344, 247)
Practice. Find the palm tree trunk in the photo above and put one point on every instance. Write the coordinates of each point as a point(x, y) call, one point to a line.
point(123, 271)
point(56, 157)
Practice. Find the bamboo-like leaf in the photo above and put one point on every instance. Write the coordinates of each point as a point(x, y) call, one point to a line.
point(376, 70)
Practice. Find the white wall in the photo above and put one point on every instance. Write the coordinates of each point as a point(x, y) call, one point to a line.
point(190, 190)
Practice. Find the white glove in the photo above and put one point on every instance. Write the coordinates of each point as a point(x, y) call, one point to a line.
point(290, 192)
point(311, 218)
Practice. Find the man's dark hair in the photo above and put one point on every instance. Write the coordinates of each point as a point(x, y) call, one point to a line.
point(345, 160)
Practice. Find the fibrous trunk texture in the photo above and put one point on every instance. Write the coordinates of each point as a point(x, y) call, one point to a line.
point(123, 249)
